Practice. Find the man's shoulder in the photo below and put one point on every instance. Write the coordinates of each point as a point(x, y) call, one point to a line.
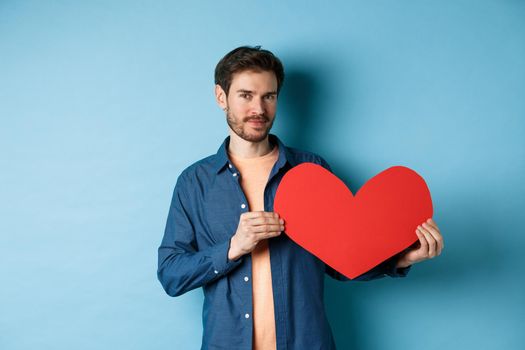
point(302, 156)
point(202, 167)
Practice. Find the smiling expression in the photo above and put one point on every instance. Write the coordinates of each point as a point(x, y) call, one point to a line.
point(251, 104)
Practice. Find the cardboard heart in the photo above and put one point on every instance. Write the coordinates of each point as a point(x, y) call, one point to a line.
point(352, 234)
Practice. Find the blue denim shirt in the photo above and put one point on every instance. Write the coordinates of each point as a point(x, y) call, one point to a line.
point(204, 214)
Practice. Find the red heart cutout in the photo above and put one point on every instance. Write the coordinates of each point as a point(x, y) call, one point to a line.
point(352, 234)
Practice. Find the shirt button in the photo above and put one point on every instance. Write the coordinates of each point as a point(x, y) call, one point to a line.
point(247, 316)
point(215, 271)
point(243, 205)
point(234, 174)
point(246, 279)
point(230, 166)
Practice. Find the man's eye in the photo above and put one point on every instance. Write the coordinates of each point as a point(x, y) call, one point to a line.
point(245, 95)
point(270, 97)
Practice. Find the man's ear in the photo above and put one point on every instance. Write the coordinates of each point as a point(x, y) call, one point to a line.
point(220, 97)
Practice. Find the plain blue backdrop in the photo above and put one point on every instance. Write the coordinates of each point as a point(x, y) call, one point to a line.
point(104, 103)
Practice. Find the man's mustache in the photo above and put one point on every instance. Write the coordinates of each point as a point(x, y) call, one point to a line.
point(260, 118)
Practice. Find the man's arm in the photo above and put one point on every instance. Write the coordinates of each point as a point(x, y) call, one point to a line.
point(181, 267)
point(429, 246)
point(386, 268)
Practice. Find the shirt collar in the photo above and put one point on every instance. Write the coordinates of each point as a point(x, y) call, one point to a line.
point(221, 158)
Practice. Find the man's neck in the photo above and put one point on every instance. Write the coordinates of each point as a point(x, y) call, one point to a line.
point(246, 149)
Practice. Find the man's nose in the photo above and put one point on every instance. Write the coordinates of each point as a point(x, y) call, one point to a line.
point(257, 106)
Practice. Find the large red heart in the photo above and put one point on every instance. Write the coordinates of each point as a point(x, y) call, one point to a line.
point(352, 234)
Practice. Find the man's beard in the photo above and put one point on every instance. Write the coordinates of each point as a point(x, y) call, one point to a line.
point(238, 127)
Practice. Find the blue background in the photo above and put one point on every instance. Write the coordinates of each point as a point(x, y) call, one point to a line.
point(104, 103)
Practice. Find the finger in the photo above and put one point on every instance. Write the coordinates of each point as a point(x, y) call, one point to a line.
point(266, 228)
point(437, 236)
point(431, 241)
point(263, 220)
point(422, 241)
point(269, 234)
point(432, 223)
point(257, 214)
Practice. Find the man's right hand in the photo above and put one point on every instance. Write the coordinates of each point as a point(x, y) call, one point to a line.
point(254, 226)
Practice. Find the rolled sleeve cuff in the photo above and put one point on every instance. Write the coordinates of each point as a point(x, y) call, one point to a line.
point(219, 256)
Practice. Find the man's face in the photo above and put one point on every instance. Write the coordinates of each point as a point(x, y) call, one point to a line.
point(251, 104)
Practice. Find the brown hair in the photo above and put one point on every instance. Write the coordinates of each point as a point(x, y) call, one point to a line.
point(247, 58)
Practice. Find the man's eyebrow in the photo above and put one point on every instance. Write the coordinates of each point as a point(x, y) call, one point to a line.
point(251, 92)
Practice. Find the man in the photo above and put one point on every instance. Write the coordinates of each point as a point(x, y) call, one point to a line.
point(261, 290)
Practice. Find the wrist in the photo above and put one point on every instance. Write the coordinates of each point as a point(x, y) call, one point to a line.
point(402, 263)
point(233, 252)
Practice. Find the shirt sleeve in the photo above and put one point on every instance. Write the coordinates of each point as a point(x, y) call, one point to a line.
point(386, 268)
point(181, 265)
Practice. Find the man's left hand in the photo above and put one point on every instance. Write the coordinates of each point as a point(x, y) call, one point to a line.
point(429, 246)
